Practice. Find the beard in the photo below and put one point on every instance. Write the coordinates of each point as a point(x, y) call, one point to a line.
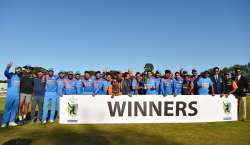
point(19, 74)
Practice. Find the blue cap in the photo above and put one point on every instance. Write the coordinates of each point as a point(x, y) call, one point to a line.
point(51, 69)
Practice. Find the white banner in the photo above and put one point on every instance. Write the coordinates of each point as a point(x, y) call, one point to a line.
point(102, 109)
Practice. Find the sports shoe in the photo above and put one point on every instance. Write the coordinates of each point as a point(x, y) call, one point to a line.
point(4, 125)
point(44, 122)
point(12, 124)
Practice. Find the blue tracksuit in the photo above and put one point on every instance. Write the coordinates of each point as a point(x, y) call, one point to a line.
point(60, 92)
point(79, 87)
point(98, 86)
point(151, 82)
point(167, 86)
point(60, 87)
point(158, 84)
point(50, 95)
point(88, 86)
point(106, 84)
point(178, 86)
point(70, 87)
point(12, 98)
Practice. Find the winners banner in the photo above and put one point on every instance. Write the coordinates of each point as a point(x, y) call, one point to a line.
point(102, 109)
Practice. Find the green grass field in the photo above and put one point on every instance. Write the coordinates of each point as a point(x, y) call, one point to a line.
point(228, 133)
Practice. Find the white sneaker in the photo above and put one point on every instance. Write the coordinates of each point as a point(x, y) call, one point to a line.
point(24, 117)
point(51, 121)
point(4, 125)
point(44, 122)
point(20, 118)
point(12, 124)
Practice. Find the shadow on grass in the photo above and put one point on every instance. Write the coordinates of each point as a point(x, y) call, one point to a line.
point(18, 141)
point(92, 135)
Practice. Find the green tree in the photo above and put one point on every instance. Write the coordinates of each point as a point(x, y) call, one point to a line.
point(149, 67)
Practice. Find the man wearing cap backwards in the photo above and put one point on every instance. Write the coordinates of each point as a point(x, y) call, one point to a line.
point(98, 84)
point(204, 83)
point(12, 98)
point(50, 96)
point(78, 82)
point(60, 89)
point(26, 89)
point(88, 84)
point(70, 84)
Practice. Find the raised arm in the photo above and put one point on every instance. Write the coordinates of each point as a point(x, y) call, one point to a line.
point(7, 70)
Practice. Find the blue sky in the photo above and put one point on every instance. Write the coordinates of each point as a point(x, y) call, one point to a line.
point(121, 34)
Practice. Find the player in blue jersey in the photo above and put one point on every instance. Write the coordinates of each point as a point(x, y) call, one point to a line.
point(50, 96)
point(12, 98)
point(60, 89)
point(158, 82)
point(78, 83)
point(106, 83)
point(138, 86)
point(178, 82)
point(98, 84)
point(70, 84)
point(151, 84)
point(88, 84)
point(204, 83)
point(167, 84)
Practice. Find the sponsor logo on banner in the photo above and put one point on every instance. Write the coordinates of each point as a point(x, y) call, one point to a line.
point(227, 109)
point(72, 109)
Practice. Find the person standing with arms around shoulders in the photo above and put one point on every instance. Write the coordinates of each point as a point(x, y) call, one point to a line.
point(12, 96)
point(26, 89)
point(50, 96)
point(38, 96)
point(60, 89)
